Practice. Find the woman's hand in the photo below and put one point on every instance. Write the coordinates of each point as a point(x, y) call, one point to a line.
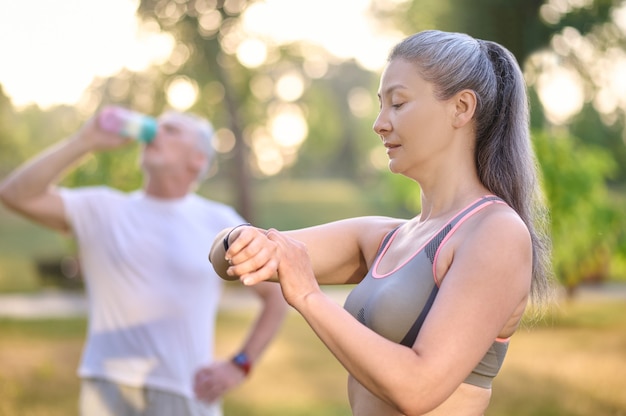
point(251, 256)
point(256, 256)
point(295, 272)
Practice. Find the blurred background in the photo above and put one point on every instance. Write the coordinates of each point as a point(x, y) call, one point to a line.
point(290, 86)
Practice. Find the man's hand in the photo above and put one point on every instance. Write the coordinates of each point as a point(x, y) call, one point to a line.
point(97, 139)
point(212, 382)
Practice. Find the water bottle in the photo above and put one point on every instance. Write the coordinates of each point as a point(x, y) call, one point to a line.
point(128, 123)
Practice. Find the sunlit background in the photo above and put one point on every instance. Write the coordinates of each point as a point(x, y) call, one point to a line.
point(53, 50)
point(290, 86)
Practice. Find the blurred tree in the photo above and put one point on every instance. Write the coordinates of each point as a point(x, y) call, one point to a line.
point(339, 140)
point(589, 126)
point(587, 226)
point(245, 100)
point(8, 139)
point(27, 131)
point(118, 168)
point(519, 25)
point(249, 102)
point(210, 34)
point(200, 28)
point(585, 36)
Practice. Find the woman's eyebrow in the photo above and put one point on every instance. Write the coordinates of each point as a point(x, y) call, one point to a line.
point(390, 89)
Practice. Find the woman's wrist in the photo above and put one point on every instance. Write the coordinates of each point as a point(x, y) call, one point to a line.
point(226, 240)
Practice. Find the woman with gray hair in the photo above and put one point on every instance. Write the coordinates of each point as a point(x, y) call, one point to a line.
point(437, 296)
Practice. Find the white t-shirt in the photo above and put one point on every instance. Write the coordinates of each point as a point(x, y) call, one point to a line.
point(153, 294)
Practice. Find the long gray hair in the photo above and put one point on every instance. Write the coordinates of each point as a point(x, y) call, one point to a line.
point(504, 156)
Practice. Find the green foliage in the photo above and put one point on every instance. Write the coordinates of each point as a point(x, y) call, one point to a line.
point(46, 329)
point(22, 267)
point(403, 193)
point(586, 226)
point(513, 23)
point(289, 204)
point(588, 125)
point(516, 24)
point(7, 142)
point(585, 18)
point(22, 243)
point(324, 117)
point(118, 168)
point(22, 133)
point(338, 142)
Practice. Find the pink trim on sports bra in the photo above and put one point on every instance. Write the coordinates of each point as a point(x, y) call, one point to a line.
point(377, 275)
point(458, 224)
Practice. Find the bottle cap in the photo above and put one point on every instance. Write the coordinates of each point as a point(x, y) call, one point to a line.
point(148, 130)
point(139, 127)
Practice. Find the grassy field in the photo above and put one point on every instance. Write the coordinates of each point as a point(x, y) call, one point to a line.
point(573, 364)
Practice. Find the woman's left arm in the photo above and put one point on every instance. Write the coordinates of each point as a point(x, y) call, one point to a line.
point(340, 251)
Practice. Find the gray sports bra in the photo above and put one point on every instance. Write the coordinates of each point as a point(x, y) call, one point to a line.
point(396, 304)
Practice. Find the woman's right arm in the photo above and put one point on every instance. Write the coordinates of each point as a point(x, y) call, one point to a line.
point(340, 251)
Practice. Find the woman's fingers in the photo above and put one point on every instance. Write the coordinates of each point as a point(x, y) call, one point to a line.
point(240, 239)
point(295, 271)
point(255, 255)
point(294, 249)
point(265, 272)
point(252, 256)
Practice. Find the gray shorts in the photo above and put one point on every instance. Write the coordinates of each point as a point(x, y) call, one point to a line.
point(100, 397)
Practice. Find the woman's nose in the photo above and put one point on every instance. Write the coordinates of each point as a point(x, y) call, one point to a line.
point(381, 125)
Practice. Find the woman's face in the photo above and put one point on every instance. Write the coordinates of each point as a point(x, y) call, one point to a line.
point(414, 125)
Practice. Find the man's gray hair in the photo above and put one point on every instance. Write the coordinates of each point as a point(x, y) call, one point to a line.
point(204, 133)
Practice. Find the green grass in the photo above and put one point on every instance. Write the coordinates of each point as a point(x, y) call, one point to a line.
point(21, 244)
point(572, 364)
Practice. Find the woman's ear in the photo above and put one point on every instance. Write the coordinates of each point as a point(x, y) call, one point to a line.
point(464, 107)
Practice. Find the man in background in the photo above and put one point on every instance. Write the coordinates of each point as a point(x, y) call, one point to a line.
point(153, 296)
